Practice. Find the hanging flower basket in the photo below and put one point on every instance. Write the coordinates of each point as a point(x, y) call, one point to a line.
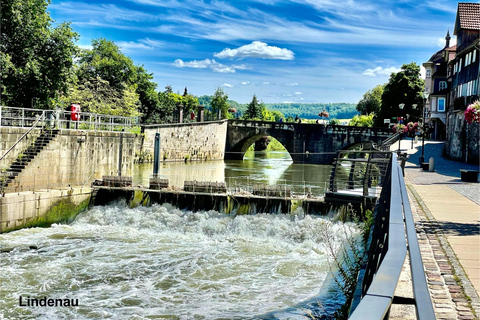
point(400, 128)
point(324, 114)
point(472, 114)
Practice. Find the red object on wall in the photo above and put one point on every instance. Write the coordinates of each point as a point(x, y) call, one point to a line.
point(75, 112)
point(192, 116)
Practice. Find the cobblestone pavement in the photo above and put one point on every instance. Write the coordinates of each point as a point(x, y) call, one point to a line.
point(452, 292)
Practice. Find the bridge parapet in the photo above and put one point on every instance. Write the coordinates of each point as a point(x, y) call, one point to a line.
point(306, 142)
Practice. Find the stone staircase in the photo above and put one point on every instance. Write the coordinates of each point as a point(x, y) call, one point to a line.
point(24, 158)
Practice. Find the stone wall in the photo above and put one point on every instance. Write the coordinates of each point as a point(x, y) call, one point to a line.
point(462, 139)
point(41, 209)
point(74, 158)
point(189, 141)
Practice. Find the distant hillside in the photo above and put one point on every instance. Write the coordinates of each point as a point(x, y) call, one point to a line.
point(302, 110)
point(311, 110)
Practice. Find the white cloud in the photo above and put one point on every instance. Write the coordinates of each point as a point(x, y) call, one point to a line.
point(265, 82)
point(245, 83)
point(228, 85)
point(129, 46)
point(380, 70)
point(256, 49)
point(292, 84)
point(298, 93)
point(203, 64)
point(441, 42)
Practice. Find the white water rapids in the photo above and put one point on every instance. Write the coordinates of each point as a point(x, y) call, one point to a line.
point(162, 263)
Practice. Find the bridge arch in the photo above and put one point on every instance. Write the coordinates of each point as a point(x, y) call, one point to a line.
point(238, 150)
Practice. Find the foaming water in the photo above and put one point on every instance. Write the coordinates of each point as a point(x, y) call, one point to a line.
point(160, 262)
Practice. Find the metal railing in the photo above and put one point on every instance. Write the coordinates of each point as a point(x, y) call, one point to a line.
point(34, 125)
point(60, 119)
point(359, 172)
point(393, 234)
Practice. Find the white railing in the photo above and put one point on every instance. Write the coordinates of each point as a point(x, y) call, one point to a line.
point(60, 119)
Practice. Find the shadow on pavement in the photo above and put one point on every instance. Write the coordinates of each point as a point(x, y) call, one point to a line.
point(443, 166)
point(453, 228)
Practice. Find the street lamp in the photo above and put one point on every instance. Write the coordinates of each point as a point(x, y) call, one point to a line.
point(424, 126)
point(414, 107)
point(401, 105)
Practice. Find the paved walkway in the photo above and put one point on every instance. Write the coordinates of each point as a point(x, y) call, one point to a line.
point(447, 215)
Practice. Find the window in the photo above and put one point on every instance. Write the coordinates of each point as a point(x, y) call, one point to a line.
point(429, 73)
point(460, 65)
point(474, 56)
point(442, 85)
point(441, 105)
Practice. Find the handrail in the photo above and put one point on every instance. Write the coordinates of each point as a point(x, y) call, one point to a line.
point(387, 253)
point(24, 135)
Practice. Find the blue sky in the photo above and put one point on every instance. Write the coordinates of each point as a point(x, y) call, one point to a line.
point(282, 51)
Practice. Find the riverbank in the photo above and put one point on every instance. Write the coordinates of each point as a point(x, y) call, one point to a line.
point(446, 211)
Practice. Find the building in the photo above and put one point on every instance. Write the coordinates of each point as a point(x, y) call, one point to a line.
point(463, 76)
point(437, 88)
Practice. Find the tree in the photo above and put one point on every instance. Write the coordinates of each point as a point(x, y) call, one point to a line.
point(371, 101)
point(97, 96)
point(149, 106)
point(107, 61)
point(219, 102)
point(36, 58)
point(254, 110)
point(362, 120)
point(405, 87)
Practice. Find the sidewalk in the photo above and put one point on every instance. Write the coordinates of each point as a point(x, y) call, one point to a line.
point(447, 216)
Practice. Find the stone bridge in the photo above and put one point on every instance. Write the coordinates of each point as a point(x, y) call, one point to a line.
point(306, 143)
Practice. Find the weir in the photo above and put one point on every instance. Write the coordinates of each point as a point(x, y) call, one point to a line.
point(229, 203)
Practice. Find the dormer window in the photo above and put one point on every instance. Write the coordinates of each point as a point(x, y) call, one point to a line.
point(429, 73)
point(442, 85)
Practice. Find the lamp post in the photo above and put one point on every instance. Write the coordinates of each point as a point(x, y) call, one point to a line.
point(424, 129)
point(414, 106)
point(401, 105)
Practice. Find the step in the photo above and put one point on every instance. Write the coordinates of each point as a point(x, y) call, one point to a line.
point(21, 162)
point(17, 166)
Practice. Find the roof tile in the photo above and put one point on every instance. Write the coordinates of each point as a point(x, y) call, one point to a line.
point(469, 15)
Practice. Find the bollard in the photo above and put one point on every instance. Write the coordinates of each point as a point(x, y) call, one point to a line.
point(431, 164)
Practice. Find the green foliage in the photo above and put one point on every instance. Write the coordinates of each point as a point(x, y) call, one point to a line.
point(404, 87)
point(36, 58)
point(362, 120)
point(334, 122)
point(219, 103)
point(105, 60)
point(371, 101)
point(97, 96)
point(274, 115)
point(254, 110)
point(311, 110)
point(148, 96)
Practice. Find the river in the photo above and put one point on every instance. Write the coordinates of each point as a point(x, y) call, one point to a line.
point(159, 262)
point(272, 168)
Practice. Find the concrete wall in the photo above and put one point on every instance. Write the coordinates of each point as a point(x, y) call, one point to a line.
point(8, 137)
point(41, 209)
point(74, 158)
point(189, 141)
point(463, 140)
